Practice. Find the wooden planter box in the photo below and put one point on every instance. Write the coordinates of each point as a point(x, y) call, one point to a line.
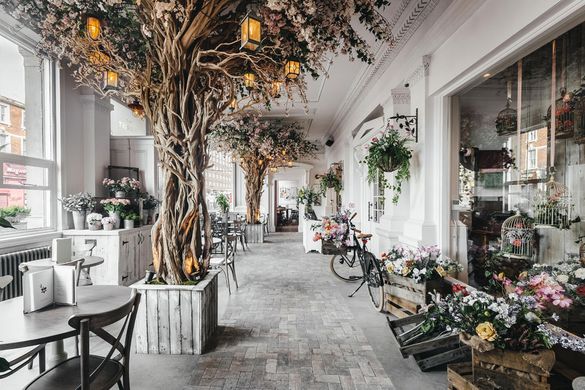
point(404, 297)
point(329, 248)
point(509, 370)
point(176, 319)
point(460, 377)
point(428, 352)
point(255, 233)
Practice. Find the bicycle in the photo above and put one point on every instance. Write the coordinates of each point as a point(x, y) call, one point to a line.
point(345, 268)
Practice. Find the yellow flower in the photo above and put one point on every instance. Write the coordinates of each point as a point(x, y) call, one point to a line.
point(405, 271)
point(390, 267)
point(441, 271)
point(501, 275)
point(486, 331)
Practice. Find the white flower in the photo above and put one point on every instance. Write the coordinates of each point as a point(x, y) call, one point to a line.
point(562, 278)
point(580, 273)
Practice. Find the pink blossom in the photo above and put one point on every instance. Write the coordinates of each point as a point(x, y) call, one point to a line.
point(563, 302)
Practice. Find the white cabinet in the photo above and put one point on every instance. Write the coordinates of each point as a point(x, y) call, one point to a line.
point(138, 152)
point(127, 253)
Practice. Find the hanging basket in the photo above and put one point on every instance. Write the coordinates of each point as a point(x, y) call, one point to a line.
point(388, 164)
point(552, 206)
point(518, 237)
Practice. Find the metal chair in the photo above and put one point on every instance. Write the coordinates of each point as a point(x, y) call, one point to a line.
point(17, 362)
point(227, 261)
point(99, 372)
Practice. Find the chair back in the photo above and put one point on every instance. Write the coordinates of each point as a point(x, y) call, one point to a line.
point(230, 248)
point(95, 323)
point(4, 281)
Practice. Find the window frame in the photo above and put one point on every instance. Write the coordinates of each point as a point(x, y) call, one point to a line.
point(2, 120)
point(49, 95)
point(532, 136)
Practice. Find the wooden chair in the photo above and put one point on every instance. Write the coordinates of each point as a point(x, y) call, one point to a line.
point(97, 372)
point(16, 361)
point(238, 231)
point(227, 262)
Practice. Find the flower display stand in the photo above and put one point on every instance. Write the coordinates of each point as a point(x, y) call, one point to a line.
point(404, 297)
point(429, 351)
point(176, 319)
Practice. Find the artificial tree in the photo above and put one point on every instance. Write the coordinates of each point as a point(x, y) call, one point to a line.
point(261, 145)
point(183, 63)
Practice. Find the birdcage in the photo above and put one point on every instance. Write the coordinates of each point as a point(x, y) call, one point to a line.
point(518, 237)
point(507, 120)
point(579, 107)
point(552, 206)
point(564, 116)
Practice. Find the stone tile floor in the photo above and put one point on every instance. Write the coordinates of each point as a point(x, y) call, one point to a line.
point(290, 325)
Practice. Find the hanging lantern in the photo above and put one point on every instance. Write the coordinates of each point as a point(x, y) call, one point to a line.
point(99, 58)
point(518, 237)
point(233, 104)
point(260, 161)
point(110, 80)
point(93, 28)
point(275, 89)
point(292, 68)
point(564, 116)
point(137, 109)
point(290, 163)
point(284, 152)
point(251, 33)
point(249, 79)
point(273, 169)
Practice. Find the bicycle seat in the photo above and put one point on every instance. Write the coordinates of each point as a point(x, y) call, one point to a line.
point(365, 236)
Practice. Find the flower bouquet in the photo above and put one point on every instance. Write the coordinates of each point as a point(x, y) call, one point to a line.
point(129, 185)
point(114, 207)
point(78, 205)
point(334, 232)
point(94, 221)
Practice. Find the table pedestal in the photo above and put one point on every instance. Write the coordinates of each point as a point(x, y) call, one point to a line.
point(56, 353)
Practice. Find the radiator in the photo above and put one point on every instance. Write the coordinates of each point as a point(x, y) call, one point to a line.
point(9, 263)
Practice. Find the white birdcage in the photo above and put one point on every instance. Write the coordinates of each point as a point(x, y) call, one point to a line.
point(518, 237)
point(552, 206)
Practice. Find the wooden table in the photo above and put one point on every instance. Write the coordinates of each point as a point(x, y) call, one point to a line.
point(19, 330)
point(88, 263)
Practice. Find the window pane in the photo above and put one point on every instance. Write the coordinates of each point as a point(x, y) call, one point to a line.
point(25, 209)
point(23, 175)
point(21, 90)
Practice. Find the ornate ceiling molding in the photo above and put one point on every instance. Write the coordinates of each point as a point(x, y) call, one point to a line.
point(400, 96)
point(420, 72)
point(419, 11)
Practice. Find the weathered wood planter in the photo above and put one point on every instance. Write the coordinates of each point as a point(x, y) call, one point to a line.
point(176, 319)
point(570, 362)
point(428, 351)
point(404, 297)
point(460, 377)
point(255, 233)
point(329, 248)
point(510, 370)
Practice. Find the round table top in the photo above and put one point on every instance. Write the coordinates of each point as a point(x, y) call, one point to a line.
point(19, 330)
point(88, 262)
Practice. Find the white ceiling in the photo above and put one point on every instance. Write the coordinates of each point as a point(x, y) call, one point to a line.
point(331, 96)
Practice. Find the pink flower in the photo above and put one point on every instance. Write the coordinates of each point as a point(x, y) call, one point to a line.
point(375, 139)
point(563, 302)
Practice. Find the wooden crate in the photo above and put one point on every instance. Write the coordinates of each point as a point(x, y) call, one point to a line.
point(509, 370)
point(329, 248)
point(460, 377)
point(403, 297)
point(428, 352)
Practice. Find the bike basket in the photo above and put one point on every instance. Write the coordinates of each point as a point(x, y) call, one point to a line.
point(329, 248)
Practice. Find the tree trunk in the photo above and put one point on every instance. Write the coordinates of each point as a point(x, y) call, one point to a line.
point(254, 174)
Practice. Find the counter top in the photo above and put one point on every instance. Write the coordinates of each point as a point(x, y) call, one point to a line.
point(102, 232)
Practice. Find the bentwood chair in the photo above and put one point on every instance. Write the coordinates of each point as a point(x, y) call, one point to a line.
point(227, 263)
point(91, 371)
point(21, 357)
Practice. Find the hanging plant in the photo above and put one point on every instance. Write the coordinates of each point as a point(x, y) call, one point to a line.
point(389, 153)
point(331, 180)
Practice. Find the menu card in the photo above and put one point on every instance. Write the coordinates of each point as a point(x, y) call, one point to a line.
point(48, 286)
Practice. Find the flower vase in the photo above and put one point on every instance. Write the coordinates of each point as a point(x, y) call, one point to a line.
point(120, 194)
point(145, 214)
point(128, 224)
point(79, 220)
point(151, 215)
point(108, 226)
point(95, 226)
point(116, 216)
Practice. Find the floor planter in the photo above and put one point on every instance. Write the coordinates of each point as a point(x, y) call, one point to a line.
point(176, 319)
point(404, 297)
point(255, 233)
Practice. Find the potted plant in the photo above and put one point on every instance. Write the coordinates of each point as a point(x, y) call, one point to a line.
point(113, 187)
point(334, 232)
point(223, 203)
point(108, 223)
point(4, 223)
point(127, 187)
point(130, 219)
point(308, 197)
point(114, 207)
point(149, 204)
point(331, 179)
point(78, 205)
point(94, 221)
point(389, 153)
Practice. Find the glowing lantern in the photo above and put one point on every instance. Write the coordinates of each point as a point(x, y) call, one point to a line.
point(251, 33)
point(290, 163)
point(249, 79)
point(137, 109)
point(110, 80)
point(292, 68)
point(233, 104)
point(260, 161)
point(275, 89)
point(93, 27)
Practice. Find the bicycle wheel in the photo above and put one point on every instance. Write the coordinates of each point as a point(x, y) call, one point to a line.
point(345, 268)
point(374, 281)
